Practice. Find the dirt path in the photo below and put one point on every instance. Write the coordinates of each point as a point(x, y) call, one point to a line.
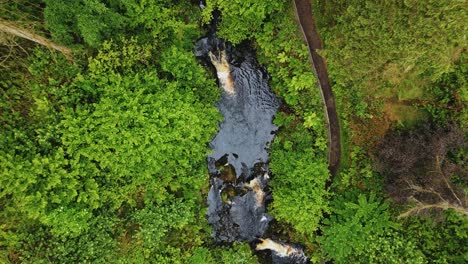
point(307, 24)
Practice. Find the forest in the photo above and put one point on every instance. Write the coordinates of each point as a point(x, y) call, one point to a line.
point(106, 116)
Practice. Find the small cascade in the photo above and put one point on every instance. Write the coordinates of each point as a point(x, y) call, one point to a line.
point(223, 70)
point(283, 253)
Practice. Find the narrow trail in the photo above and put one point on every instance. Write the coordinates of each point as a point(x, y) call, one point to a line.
point(307, 24)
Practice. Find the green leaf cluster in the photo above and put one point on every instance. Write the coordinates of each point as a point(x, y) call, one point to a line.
point(299, 178)
point(104, 160)
point(450, 94)
point(371, 36)
point(237, 254)
point(354, 218)
point(240, 19)
point(391, 247)
point(441, 240)
point(92, 22)
point(386, 49)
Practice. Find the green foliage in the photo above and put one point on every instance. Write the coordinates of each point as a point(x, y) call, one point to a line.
point(386, 49)
point(298, 161)
point(237, 254)
point(282, 49)
point(390, 247)
point(372, 36)
point(102, 160)
point(360, 231)
point(451, 95)
point(240, 19)
point(122, 138)
point(94, 245)
point(354, 218)
point(161, 229)
point(441, 241)
point(142, 132)
point(25, 100)
point(299, 177)
point(374, 49)
point(95, 21)
point(91, 20)
point(163, 21)
point(358, 173)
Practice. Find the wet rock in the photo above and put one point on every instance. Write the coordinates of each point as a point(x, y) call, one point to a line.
point(240, 217)
point(283, 253)
point(207, 44)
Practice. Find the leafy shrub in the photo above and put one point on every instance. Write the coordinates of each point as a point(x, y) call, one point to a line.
point(91, 20)
point(282, 49)
point(354, 218)
point(358, 172)
point(298, 181)
point(450, 93)
point(95, 244)
point(240, 19)
point(390, 247)
point(120, 138)
point(441, 240)
point(367, 41)
point(237, 254)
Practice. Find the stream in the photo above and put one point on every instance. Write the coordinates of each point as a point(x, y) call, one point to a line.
point(238, 164)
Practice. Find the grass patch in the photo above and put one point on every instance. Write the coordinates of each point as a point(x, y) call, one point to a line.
point(404, 115)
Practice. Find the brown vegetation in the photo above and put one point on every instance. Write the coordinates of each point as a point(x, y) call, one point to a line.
point(420, 166)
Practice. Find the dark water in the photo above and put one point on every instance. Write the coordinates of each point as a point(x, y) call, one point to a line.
point(240, 150)
point(244, 135)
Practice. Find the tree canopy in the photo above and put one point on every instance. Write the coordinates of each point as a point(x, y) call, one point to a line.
point(103, 155)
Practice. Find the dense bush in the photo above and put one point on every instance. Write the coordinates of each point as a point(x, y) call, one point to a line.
point(390, 247)
point(240, 19)
point(450, 95)
point(299, 177)
point(135, 146)
point(104, 160)
point(238, 254)
point(91, 22)
point(360, 228)
point(442, 240)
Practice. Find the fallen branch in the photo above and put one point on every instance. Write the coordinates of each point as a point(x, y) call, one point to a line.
point(10, 28)
point(422, 206)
